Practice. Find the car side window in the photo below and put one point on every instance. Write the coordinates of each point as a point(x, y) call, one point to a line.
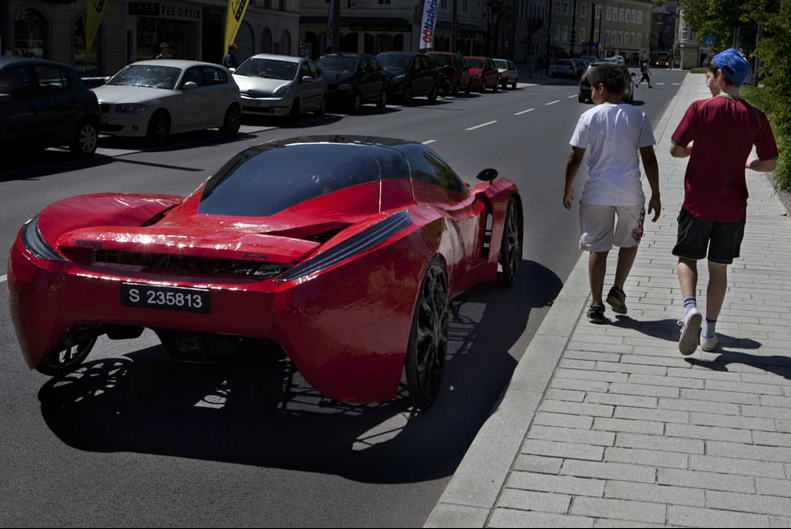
point(215, 75)
point(314, 70)
point(195, 75)
point(426, 165)
point(17, 81)
point(51, 79)
point(304, 69)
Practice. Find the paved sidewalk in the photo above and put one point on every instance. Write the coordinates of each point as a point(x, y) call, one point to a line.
point(608, 425)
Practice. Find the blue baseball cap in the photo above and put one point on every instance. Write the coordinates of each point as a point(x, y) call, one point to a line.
point(733, 64)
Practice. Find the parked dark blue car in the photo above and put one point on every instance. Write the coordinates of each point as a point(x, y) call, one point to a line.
point(410, 74)
point(353, 80)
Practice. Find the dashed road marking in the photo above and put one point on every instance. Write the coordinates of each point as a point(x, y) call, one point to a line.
point(428, 141)
point(553, 102)
point(569, 97)
point(675, 84)
point(524, 111)
point(660, 83)
point(481, 125)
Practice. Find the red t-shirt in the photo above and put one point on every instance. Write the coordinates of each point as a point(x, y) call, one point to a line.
point(724, 130)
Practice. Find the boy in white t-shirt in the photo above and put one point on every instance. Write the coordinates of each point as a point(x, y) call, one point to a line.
point(615, 132)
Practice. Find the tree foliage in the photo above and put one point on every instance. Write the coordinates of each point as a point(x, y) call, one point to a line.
point(720, 18)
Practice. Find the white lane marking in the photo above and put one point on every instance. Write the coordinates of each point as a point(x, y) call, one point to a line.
point(524, 111)
point(660, 83)
point(675, 84)
point(428, 141)
point(569, 97)
point(553, 102)
point(3, 278)
point(481, 125)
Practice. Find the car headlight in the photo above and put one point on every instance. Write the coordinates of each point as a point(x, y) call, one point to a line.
point(130, 108)
point(345, 86)
point(35, 244)
point(399, 78)
point(280, 92)
point(362, 242)
point(477, 75)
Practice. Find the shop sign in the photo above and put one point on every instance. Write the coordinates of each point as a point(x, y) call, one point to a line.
point(166, 10)
point(146, 9)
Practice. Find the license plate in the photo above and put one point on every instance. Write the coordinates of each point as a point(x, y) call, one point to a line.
point(166, 298)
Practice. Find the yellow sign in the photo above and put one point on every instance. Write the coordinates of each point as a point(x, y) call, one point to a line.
point(236, 9)
point(93, 21)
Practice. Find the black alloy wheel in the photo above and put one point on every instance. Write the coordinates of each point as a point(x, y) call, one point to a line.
point(85, 140)
point(158, 128)
point(510, 248)
point(382, 103)
point(62, 361)
point(232, 121)
point(428, 340)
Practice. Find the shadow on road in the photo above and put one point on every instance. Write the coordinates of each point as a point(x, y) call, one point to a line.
point(257, 410)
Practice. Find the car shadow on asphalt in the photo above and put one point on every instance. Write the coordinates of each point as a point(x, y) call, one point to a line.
point(257, 410)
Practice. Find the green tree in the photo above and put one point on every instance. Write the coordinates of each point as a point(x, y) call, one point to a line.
point(720, 18)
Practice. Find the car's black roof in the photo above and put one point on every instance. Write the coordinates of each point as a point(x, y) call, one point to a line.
point(6, 60)
point(346, 55)
point(408, 53)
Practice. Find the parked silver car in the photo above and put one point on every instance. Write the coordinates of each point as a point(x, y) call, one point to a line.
point(508, 72)
point(563, 68)
point(279, 85)
point(159, 97)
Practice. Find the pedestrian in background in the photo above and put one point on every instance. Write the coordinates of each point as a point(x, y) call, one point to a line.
point(646, 75)
point(229, 61)
point(164, 51)
point(722, 130)
point(616, 133)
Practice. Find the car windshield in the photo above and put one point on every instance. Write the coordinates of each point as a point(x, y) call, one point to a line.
point(563, 62)
point(440, 59)
point(500, 63)
point(264, 180)
point(268, 68)
point(476, 64)
point(395, 60)
point(338, 64)
point(148, 75)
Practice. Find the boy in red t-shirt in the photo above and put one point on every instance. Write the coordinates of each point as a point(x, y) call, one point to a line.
point(724, 130)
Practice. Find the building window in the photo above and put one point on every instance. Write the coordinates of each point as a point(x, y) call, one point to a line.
point(608, 16)
point(582, 34)
point(31, 34)
point(285, 43)
point(583, 10)
point(621, 14)
point(628, 18)
point(639, 17)
point(557, 7)
point(639, 39)
point(443, 4)
point(464, 5)
point(565, 8)
point(87, 67)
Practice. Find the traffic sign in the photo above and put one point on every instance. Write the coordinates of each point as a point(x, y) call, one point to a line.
point(708, 41)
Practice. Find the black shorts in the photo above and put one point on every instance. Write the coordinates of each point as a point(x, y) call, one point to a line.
point(722, 239)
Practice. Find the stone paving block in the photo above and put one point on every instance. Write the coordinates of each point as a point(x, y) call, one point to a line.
point(773, 487)
point(705, 480)
point(772, 439)
point(696, 517)
point(688, 431)
point(586, 365)
point(729, 465)
point(777, 402)
point(767, 378)
point(609, 470)
point(619, 367)
point(629, 425)
point(560, 484)
point(599, 347)
point(620, 509)
point(652, 458)
point(566, 421)
point(558, 449)
point(675, 382)
point(573, 408)
point(658, 415)
point(746, 423)
point(644, 390)
point(644, 357)
point(743, 387)
point(601, 376)
point(564, 394)
point(596, 356)
point(655, 442)
point(699, 406)
point(720, 396)
point(528, 500)
point(745, 451)
point(765, 411)
point(749, 503)
point(514, 518)
point(779, 521)
point(538, 464)
point(587, 437)
point(783, 425)
point(579, 385)
point(655, 493)
point(702, 374)
point(451, 515)
point(621, 400)
point(609, 522)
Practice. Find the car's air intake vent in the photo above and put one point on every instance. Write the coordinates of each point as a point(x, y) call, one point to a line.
point(164, 263)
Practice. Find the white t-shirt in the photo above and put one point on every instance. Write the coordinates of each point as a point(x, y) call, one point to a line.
point(613, 134)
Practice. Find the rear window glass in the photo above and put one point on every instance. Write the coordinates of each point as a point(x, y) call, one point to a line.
point(265, 180)
point(441, 60)
point(476, 64)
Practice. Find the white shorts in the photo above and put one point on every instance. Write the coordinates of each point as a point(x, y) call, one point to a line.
point(597, 222)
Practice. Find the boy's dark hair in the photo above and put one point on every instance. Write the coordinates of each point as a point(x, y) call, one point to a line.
point(610, 75)
point(709, 63)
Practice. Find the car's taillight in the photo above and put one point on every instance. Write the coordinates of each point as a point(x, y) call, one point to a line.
point(585, 78)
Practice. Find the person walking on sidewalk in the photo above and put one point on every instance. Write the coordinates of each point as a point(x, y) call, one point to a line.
point(615, 133)
point(646, 75)
point(722, 130)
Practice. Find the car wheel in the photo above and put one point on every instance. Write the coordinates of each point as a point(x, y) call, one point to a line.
point(581, 98)
point(295, 112)
point(322, 108)
point(496, 86)
point(432, 96)
point(510, 248)
point(406, 95)
point(85, 140)
point(158, 128)
point(482, 89)
point(428, 339)
point(66, 360)
point(467, 90)
point(232, 121)
point(514, 85)
point(455, 90)
point(357, 102)
point(382, 103)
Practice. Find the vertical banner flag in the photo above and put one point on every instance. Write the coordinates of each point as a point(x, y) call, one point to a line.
point(427, 26)
point(236, 9)
point(330, 28)
point(93, 19)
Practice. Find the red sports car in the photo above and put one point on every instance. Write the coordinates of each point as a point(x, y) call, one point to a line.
point(344, 251)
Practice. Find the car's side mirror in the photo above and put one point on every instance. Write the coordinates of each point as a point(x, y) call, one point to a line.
point(189, 85)
point(487, 175)
point(232, 70)
point(5, 98)
point(306, 79)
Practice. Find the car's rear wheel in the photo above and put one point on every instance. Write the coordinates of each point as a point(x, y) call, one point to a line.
point(514, 85)
point(432, 95)
point(406, 95)
point(428, 339)
point(496, 86)
point(382, 103)
point(581, 98)
point(510, 248)
point(158, 128)
point(232, 121)
point(483, 87)
point(85, 140)
point(65, 360)
point(295, 112)
point(322, 108)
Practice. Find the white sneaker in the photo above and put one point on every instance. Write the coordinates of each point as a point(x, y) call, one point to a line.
point(690, 332)
point(709, 343)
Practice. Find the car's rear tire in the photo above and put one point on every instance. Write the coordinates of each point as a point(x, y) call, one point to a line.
point(62, 361)
point(382, 103)
point(232, 121)
point(295, 111)
point(514, 85)
point(496, 86)
point(356, 102)
point(85, 139)
point(322, 107)
point(406, 95)
point(510, 247)
point(432, 95)
point(158, 128)
point(581, 98)
point(428, 339)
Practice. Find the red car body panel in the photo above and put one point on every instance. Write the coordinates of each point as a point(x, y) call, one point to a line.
point(489, 77)
point(345, 328)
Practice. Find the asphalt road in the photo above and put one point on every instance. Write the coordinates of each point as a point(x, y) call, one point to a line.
point(136, 439)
